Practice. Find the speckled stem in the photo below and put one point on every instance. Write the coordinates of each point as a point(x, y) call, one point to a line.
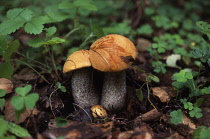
point(114, 91)
point(83, 89)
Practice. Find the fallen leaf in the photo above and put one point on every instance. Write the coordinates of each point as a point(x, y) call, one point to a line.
point(6, 84)
point(142, 44)
point(164, 93)
point(9, 113)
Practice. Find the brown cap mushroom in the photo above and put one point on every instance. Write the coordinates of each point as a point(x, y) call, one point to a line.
point(77, 60)
point(83, 89)
point(98, 111)
point(113, 54)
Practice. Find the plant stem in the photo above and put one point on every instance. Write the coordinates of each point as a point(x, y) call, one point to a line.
point(148, 96)
point(53, 60)
point(72, 31)
point(33, 60)
point(34, 70)
point(90, 36)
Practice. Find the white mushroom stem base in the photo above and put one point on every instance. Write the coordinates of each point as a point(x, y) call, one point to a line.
point(83, 89)
point(114, 91)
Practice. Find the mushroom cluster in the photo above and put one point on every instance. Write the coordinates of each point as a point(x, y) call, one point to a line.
point(111, 54)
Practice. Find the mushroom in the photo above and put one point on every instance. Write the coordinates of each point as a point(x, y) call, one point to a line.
point(98, 112)
point(113, 54)
point(83, 89)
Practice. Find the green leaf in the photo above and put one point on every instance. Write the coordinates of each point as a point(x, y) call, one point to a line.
point(50, 31)
point(34, 26)
point(53, 41)
point(10, 26)
point(17, 102)
point(18, 130)
point(13, 47)
point(86, 4)
point(196, 112)
point(3, 44)
point(6, 70)
point(26, 14)
point(2, 92)
point(4, 127)
point(35, 42)
point(53, 15)
point(60, 122)
point(97, 31)
point(30, 100)
point(176, 117)
point(199, 131)
point(154, 78)
point(23, 90)
point(19, 13)
point(180, 77)
point(145, 29)
point(14, 13)
point(139, 94)
point(188, 105)
point(199, 102)
point(63, 88)
point(188, 75)
point(2, 102)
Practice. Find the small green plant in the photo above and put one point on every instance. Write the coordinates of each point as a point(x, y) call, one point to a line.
point(61, 87)
point(2, 100)
point(159, 67)
point(60, 122)
point(6, 51)
point(9, 127)
point(201, 132)
point(176, 116)
point(24, 100)
point(194, 111)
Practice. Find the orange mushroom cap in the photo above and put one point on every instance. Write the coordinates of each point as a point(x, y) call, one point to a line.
point(112, 53)
point(77, 60)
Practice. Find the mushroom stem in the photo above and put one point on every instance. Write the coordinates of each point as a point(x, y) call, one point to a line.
point(114, 91)
point(83, 90)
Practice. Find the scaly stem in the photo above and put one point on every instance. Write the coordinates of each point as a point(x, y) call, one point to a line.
point(114, 91)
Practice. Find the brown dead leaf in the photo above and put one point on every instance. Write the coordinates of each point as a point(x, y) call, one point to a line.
point(142, 132)
point(142, 44)
point(205, 120)
point(151, 115)
point(6, 84)
point(164, 93)
point(9, 113)
point(76, 130)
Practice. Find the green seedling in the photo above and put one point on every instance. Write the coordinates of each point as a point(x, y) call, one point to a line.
point(2, 100)
point(183, 76)
point(60, 122)
point(196, 112)
point(176, 117)
point(62, 88)
point(159, 67)
point(9, 127)
point(24, 100)
point(201, 132)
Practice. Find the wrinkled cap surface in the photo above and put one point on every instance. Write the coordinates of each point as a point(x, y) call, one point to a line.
point(98, 111)
point(77, 60)
point(112, 53)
